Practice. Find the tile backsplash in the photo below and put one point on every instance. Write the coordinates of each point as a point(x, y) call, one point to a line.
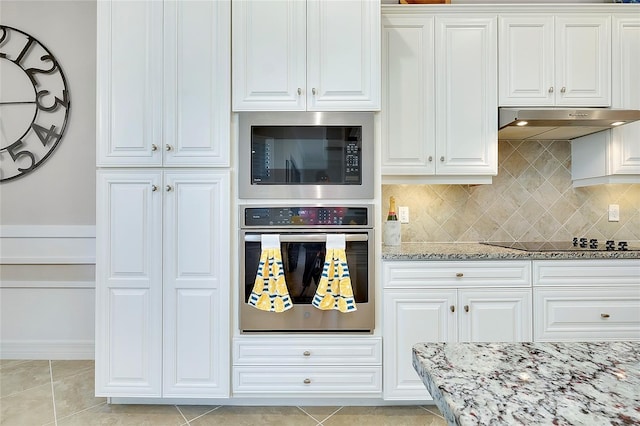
point(531, 199)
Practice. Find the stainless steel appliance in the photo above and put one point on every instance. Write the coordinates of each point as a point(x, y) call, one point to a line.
point(306, 155)
point(577, 244)
point(303, 231)
point(560, 123)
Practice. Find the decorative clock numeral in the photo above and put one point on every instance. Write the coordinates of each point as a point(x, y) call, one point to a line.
point(47, 113)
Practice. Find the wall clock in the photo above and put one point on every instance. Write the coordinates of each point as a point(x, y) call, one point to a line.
point(34, 103)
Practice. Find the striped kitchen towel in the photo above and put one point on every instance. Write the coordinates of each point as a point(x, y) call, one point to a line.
point(270, 291)
point(334, 289)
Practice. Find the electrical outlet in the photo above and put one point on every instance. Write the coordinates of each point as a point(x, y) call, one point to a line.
point(403, 212)
point(614, 213)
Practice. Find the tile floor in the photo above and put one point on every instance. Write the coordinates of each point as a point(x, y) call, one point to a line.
point(60, 393)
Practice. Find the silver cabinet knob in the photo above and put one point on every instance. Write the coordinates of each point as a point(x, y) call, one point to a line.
point(168, 147)
point(169, 188)
point(154, 147)
point(466, 308)
point(430, 158)
point(307, 381)
point(299, 91)
point(154, 188)
point(442, 158)
point(452, 308)
point(551, 89)
point(459, 274)
point(314, 91)
point(605, 315)
point(306, 353)
point(563, 90)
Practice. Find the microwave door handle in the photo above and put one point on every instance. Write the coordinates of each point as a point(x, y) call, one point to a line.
point(305, 238)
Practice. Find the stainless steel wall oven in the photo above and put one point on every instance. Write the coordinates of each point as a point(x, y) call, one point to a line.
point(303, 232)
point(302, 155)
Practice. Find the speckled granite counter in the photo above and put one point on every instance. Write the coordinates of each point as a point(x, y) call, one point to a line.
point(533, 383)
point(476, 251)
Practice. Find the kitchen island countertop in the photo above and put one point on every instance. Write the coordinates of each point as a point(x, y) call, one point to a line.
point(532, 383)
point(477, 251)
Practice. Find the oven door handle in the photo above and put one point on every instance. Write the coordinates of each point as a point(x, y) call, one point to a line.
point(305, 238)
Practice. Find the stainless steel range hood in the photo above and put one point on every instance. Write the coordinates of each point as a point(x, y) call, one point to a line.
point(560, 123)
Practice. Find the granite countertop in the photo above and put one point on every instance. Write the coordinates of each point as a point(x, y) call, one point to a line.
point(477, 251)
point(564, 383)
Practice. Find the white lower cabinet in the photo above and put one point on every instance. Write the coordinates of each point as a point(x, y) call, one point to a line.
point(266, 366)
point(449, 301)
point(580, 300)
point(162, 283)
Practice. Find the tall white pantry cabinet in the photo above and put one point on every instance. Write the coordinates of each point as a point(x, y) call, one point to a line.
point(163, 191)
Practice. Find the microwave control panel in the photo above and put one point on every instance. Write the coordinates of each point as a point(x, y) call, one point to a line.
point(305, 216)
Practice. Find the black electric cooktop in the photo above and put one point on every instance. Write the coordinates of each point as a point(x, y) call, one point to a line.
point(584, 245)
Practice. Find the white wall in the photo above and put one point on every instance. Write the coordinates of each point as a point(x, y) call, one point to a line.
point(47, 217)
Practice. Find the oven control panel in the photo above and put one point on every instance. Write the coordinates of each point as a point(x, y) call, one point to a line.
point(306, 216)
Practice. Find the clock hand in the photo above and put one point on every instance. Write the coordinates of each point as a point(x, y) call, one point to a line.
point(17, 102)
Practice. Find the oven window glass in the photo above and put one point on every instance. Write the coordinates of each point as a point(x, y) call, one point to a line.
point(304, 155)
point(303, 263)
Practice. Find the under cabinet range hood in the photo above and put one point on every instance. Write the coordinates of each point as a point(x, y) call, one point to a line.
point(560, 123)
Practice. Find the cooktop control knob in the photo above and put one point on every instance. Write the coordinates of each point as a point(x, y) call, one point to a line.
point(575, 241)
point(623, 245)
point(583, 242)
point(593, 243)
point(610, 245)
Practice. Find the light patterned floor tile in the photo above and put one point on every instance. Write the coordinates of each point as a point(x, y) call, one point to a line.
point(191, 412)
point(31, 407)
point(254, 416)
point(126, 415)
point(61, 369)
point(21, 376)
point(75, 393)
point(320, 413)
point(384, 416)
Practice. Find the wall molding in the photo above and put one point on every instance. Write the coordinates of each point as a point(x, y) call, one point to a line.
point(47, 244)
point(47, 349)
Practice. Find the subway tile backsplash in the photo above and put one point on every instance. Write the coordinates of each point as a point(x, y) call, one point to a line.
point(531, 199)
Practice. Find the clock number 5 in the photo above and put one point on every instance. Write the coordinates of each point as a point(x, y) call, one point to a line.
point(11, 149)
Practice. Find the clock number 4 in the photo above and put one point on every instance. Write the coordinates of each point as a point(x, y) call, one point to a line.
point(15, 155)
point(45, 135)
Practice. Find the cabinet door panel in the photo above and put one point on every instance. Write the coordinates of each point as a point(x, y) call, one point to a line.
point(526, 63)
point(411, 317)
point(491, 315)
point(583, 61)
point(196, 82)
point(196, 282)
point(128, 284)
point(343, 55)
point(466, 119)
point(268, 55)
point(129, 82)
point(408, 113)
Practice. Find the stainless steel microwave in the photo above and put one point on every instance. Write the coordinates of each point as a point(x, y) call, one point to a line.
point(306, 155)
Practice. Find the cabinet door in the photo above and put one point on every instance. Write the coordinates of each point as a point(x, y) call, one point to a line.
point(129, 284)
point(526, 60)
point(129, 80)
point(268, 55)
point(495, 315)
point(343, 55)
point(408, 113)
point(466, 95)
point(583, 60)
point(196, 284)
point(625, 149)
point(196, 81)
point(412, 316)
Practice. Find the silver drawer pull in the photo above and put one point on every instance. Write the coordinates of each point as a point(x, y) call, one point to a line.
point(307, 381)
point(605, 315)
point(306, 353)
point(459, 275)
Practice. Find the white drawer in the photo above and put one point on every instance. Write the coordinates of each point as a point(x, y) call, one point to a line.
point(594, 272)
point(269, 380)
point(611, 313)
point(276, 350)
point(412, 274)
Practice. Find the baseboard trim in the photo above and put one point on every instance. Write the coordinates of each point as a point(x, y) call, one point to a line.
point(43, 349)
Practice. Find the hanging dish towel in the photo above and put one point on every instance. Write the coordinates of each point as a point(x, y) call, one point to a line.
point(270, 291)
point(334, 289)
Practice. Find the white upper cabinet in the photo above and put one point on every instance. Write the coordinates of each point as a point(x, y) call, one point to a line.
point(439, 120)
point(163, 83)
point(613, 156)
point(548, 60)
point(314, 55)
